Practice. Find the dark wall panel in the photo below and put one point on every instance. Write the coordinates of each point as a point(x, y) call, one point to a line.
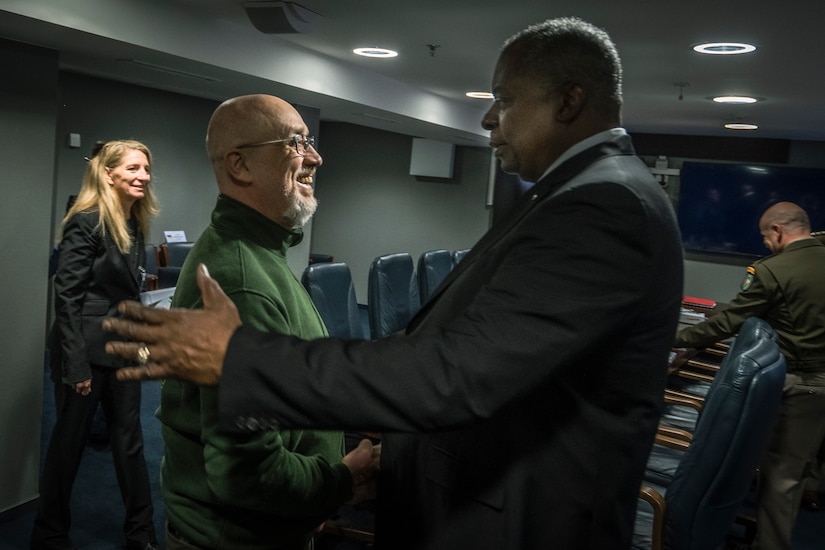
point(733, 149)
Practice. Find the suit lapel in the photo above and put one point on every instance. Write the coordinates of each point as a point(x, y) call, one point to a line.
point(126, 264)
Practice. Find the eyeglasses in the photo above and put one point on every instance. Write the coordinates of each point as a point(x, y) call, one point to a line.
point(301, 143)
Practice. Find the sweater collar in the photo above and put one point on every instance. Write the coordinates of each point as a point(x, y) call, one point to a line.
point(232, 215)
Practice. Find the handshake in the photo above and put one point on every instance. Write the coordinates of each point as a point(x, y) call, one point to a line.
point(363, 463)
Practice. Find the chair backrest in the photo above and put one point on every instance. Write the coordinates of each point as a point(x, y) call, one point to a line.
point(433, 266)
point(732, 432)
point(168, 276)
point(317, 258)
point(152, 263)
point(458, 255)
point(330, 287)
point(173, 254)
point(393, 294)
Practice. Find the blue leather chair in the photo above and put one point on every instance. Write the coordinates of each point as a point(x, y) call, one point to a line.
point(174, 254)
point(152, 261)
point(168, 276)
point(690, 497)
point(393, 294)
point(458, 255)
point(330, 286)
point(151, 266)
point(433, 266)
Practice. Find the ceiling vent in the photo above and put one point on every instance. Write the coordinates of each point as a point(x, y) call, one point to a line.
point(282, 17)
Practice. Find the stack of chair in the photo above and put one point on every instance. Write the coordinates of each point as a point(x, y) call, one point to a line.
point(695, 484)
point(688, 384)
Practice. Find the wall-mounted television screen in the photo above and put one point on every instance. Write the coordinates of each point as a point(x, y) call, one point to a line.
point(720, 204)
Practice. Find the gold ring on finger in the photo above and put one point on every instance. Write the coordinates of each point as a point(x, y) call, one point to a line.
point(143, 355)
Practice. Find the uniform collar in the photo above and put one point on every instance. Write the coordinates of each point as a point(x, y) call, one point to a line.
point(804, 242)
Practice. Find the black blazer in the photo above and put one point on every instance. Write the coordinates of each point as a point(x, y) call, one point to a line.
point(92, 278)
point(529, 385)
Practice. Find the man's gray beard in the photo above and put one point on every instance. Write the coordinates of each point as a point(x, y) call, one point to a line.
point(301, 209)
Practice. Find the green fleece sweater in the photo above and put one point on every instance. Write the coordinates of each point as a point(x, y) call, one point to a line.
point(270, 489)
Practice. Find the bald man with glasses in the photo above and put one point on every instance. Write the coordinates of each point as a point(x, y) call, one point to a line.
point(271, 488)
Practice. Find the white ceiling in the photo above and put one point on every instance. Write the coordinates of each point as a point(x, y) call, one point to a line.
point(422, 94)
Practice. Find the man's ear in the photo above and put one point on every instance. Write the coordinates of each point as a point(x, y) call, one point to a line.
point(777, 229)
point(235, 166)
point(573, 97)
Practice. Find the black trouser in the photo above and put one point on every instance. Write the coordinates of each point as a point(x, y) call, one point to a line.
point(121, 405)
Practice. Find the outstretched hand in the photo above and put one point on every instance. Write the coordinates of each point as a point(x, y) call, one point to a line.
point(188, 344)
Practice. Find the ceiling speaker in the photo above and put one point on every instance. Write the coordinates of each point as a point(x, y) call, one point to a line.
point(281, 17)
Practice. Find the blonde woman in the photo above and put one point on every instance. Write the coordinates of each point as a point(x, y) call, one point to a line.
point(101, 262)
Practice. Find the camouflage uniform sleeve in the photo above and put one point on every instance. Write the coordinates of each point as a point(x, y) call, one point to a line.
point(754, 299)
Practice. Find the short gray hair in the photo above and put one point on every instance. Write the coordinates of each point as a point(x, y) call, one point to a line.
point(568, 50)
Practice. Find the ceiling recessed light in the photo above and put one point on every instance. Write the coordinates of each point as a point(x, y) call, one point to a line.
point(724, 48)
point(735, 99)
point(375, 52)
point(740, 126)
point(480, 95)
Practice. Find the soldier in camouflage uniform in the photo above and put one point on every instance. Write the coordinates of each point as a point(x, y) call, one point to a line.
point(787, 290)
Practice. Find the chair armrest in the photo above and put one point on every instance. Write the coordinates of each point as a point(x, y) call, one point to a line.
point(717, 350)
point(722, 347)
point(703, 365)
point(674, 433)
point(692, 375)
point(348, 532)
point(151, 282)
point(671, 442)
point(676, 397)
point(657, 502)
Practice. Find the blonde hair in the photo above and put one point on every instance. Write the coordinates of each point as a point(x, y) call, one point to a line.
point(96, 195)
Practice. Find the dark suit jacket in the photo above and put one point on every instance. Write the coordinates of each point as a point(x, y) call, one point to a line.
point(529, 384)
point(92, 278)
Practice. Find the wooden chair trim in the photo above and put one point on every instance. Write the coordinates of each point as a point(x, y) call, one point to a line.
point(704, 365)
point(657, 501)
point(692, 375)
point(163, 256)
point(672, 432)
point(349, 532)
point(675, 397)
point(716, 352)
point(674, 443)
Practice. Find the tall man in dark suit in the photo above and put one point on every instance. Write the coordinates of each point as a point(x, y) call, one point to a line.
point(519, 407)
